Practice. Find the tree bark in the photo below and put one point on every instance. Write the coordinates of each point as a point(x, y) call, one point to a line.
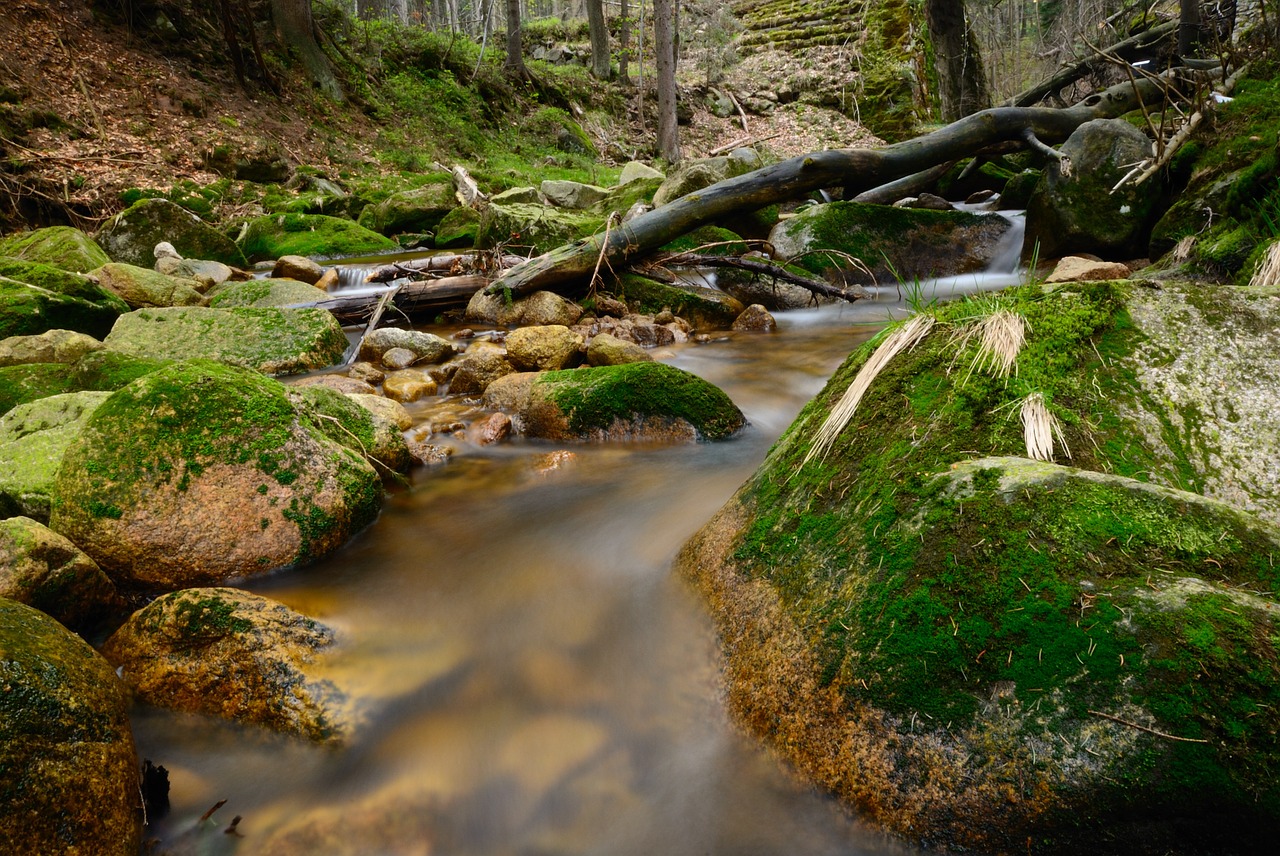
point(962, 85)
point(600, 60)
point(854, 169)
point(297, 31)
point(624, 42)
point(1190, 31)
point(515, 50)
point(664, 46)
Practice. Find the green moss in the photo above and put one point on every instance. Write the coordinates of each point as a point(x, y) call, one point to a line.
point(109, 370)
point(311, 235)
point(202, 616)
point(597, 398)
point(23, 383)
point(61, 281)
point(702, 307)
point(27, 310)
point(725, 243)
point(59, 246)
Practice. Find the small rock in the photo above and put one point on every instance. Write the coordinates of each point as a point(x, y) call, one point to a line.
point(428, 454)
point(426, 347)
point(165, 250)
point(552, 461)
point(329, 280)
point(297, 267)
point(1078, 269)
point(980, 196)
point(493, 430)
point(606, 349)
point(409, 385)
point(367, 372)
point(399, 358)
point(389, 409)
point(606, 305)
point(345, 385)
point(925, 201)
point(546, 348)
point(479, 368)
point(755, 317)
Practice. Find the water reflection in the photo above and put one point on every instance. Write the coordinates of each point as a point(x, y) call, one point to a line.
point(526, 674)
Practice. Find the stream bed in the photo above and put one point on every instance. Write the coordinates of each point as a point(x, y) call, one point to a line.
point(526, 674)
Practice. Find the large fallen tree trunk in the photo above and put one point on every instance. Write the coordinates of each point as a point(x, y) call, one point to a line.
point(853, 169)
point(414, 298)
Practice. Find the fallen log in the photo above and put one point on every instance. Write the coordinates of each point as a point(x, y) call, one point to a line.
point(443, 263)
point(413, 298)
point(853, 169)
point(760, 267)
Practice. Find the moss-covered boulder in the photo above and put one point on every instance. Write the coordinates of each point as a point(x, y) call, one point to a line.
point(418, 210)
point(131, 236)
point(694, 174)
point(705, 308)
point(231, 654)
point(1080, 211)
point(635, 401)
point(539, 227)
point(312, 235)
point(27, 310)
point(362, 430)
point(47, 572)
point(57, 246)
point(30, 381)
point(110, 370)
point(270, 340)
point(200, 472)
point(33, 438)
point(141, 287)
point(61, 281)
point(459, 228)
point(902, 243)
point(51, 346)
point(425, 347)
point(266, 292)
point(977, 649)
point(70, 782)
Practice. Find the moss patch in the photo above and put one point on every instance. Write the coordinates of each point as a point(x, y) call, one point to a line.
point(311, 235)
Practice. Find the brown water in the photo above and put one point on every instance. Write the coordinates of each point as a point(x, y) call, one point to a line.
point(528, 675)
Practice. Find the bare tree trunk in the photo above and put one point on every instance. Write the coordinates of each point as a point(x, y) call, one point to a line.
point(515, 51)
point(1190, 30)
point(664, 47)
point(962, 85)
point(297, 30)
point(854, 169)
point(399, 10)
point(600, 64)
point(624, 43)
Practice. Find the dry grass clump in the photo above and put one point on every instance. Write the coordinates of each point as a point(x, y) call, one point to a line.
point(1268, 272)
point(1000, 336)
point(901, 339)
point(1039, 428)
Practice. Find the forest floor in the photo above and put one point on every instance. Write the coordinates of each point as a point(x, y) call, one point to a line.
point(90, 108)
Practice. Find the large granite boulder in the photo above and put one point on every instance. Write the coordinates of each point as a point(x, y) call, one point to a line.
point(51, 346)
point(1079, 209)
point(57, 246)
point(312, 235)
point(231, 654)
point(635, 401)
point(977, 649)
point(200, 472)
point(131, 236)
point(64, 282)
point(70, 782)
point(892, 243)
point(266, 292)
point(27, 310)
point(143, 288)
point(419, 210)
point(33, 438)
point(345, 421)
point(28, 382)
point(545, 348)
point(270, 340)
point(539, 227)
point(47, 572)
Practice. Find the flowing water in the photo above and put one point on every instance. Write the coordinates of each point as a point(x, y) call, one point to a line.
point(528, 676)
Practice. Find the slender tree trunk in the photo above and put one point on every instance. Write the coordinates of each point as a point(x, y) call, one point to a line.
point(297, 30)
point(600, 64)
point(399, 10)
point(1189, 27)
point(962, 86)
point(515, 51)
point(664, 47)
point(624, 43)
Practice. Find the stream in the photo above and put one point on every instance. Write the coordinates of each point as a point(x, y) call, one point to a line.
point(527, 675)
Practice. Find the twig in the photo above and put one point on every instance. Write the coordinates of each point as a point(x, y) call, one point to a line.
point(1146, 729)
point(387, 297)
point(740, 142)
point(742, 114)
point(595, 274)
point(208, 814)
point(1184, 133)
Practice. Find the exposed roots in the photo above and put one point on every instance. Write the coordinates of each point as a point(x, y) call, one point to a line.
point(901, 339)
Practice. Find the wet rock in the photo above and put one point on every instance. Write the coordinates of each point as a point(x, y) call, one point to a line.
point(310, 235)
point(606, 305)
point(399, 358)
point(545, 348)
point(538, 309)
point(266, 292)
point(227, 653)
point(925, 202)
point(71, 780)
point(33, 438)
point(551, 462)
point(755, 317)
point(426, 347)
point(649, 401)
point(51, 346)
point(47, 572)
point(494, 429)
point(300, 268)
point(367, 372)
point(61, 247)
point(384, 408)
point(141, 287)
point(200, 472)
point(1077, 269)
point(361, 429)
point(131, 236)
point(1076, 211)
point(409, 385)
point(329, 280)
point(608, 350)
point(429, 454)
point(478, 368)
point(345, 385)
point(701, 306)
point(266, 339)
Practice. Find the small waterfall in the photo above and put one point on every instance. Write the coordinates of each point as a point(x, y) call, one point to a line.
point(1007, 257)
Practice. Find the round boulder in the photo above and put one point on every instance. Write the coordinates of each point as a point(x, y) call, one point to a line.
point(426, 347)
point(549, 347)
point(199, 472)
point(45, 571)
point(70, 782)
point(228, 653)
